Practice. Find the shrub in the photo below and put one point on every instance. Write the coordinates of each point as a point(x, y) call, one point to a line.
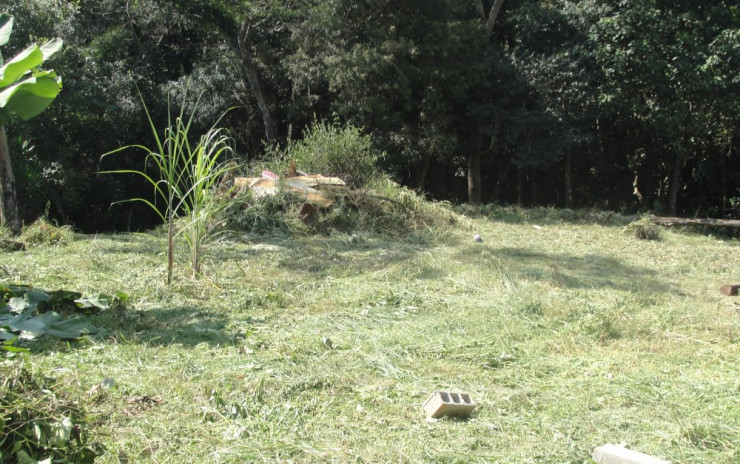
point(343, 152)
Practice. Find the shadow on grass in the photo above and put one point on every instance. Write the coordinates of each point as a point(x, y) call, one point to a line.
point(186, 326)
point(547, 216)
point(342, 254)
point(590, 271)
point(141, 243)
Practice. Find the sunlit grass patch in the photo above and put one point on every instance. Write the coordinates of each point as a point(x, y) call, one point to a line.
point(324, 348)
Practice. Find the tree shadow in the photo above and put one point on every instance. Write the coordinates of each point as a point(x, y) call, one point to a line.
point(183, 325)
point(142, 243)
point(341, 254)
point(589, 271)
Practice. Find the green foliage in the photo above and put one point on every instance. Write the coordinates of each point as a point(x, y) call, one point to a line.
point(331, 150)
point(185, 180)
point(206, 165)
point(578, 103)
point(25, 89)
point(29, 313)
point(39, 422)
point(545, 215)
point(9, 348)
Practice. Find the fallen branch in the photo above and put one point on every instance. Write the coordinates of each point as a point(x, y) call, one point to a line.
point(677, 221)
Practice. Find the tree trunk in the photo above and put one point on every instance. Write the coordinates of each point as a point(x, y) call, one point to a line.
point(501, 181)
point(8, 200)
point(520, 187)
point(675, 181)
point(250, 70)
point(706, 222)
point(568, 181)
point(474, 168)
point(723, 169)
point(493, 15)
point(422, 180)
point(474, 157)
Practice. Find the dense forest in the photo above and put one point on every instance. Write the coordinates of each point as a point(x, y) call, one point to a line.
point(615, 104)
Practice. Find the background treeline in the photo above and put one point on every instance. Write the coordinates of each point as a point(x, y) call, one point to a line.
point(616, 104)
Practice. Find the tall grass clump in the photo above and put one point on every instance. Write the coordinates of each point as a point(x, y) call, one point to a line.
point(185, 179)
point(274, 215)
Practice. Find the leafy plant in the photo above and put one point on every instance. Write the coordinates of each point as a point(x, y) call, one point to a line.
point(28, 313)
point(203, 200)
point(25, 90)
point(8, 346)
point(38, 423)
point(185, 179)
point(338, 151)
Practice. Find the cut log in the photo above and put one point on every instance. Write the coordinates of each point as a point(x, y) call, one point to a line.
point(677, 221)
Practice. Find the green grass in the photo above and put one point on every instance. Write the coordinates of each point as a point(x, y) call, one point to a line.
point(323, 349)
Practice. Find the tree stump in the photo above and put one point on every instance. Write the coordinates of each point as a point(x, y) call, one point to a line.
point(730, 290)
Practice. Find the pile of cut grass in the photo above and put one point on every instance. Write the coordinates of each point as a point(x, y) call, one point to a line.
point(323, 348)
point(380, 207)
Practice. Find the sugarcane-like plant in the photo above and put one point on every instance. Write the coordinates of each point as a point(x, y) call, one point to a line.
point(185, 178)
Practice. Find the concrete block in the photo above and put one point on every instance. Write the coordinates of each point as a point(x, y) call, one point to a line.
point(445, 403)
point(618, 454)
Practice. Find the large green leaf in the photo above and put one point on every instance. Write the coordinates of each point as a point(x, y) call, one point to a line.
point(8, 346)
point(6, 27)
point(29, 327)
point(36, 296)
point(72, 328)
point(50, 47)
point(30, 97)
point(100, 301)
point(18, 304)
point(20, 64)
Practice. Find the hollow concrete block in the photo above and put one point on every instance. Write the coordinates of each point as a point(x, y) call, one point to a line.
point(617, 454)
point(445, 403)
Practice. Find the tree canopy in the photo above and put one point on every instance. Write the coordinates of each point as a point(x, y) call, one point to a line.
point(629, 106)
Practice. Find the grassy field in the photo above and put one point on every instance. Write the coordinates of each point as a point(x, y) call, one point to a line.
point(569, 334)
